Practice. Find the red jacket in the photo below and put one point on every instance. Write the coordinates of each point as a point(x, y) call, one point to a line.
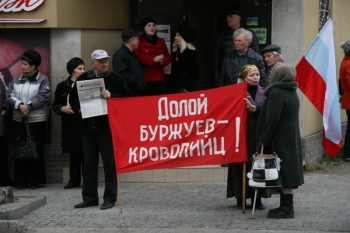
point(344, 76)
point(146, 52)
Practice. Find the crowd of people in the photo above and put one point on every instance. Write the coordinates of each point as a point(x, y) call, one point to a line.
point(137, 70)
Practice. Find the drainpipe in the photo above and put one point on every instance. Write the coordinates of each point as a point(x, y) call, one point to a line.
point(323, 13)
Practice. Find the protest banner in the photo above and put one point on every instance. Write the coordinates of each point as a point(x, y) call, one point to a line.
point(179, 130)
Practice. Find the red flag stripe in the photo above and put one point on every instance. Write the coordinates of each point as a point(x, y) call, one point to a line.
point(311, 84)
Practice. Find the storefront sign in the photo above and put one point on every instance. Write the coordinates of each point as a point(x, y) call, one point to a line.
point(261, 33)
point(19, 5)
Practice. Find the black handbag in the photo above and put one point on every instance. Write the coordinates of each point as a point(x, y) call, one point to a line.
point(25, 148)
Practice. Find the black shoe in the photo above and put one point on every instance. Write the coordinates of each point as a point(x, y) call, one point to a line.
point(106, 205)
point(346, 159)
point(71, 185)
point(85, 204)
point(258, 204)
point(286, 210)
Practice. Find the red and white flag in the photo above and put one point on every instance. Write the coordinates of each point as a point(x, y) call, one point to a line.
point(179, 130)
point(316, 77)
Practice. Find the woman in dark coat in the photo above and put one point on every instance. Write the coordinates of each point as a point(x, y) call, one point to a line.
point(71, 122)
point(184, 66)
point(279, 124)
point(255, 96)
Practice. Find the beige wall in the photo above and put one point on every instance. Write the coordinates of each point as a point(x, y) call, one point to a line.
point(108, 40)
point(312, 119)
point(101, 14)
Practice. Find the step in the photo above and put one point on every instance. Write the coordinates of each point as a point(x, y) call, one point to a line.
point(210, 173)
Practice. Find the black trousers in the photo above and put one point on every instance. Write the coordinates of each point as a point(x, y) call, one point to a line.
point(32, 172)
point(154, 88)
point(95, 143)
point(4, 170)
point(76, 166)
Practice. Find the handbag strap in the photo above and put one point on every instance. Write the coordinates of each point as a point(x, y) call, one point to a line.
point(27, 128)
point(262, 147)
point(21, 129)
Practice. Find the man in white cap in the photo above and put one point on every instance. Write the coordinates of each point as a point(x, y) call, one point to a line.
point(97, 138)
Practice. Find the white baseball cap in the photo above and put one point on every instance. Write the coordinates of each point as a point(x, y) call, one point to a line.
point(99, 54)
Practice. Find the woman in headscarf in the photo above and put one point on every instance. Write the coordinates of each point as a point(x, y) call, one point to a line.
point(255, 97)
point(153, 56)
point(278, 128)
point(29, 96)
point(71, 134)
point(184, 66)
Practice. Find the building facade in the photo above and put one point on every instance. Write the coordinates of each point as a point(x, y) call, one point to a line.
point(76, 28)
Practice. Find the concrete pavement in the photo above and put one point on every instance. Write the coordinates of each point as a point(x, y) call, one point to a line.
point(321, 205)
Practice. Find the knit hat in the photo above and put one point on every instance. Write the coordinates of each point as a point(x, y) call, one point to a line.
point(346, 47)
point(32, 56)
point(144, 22)
point(188, 34)
point(74, 63)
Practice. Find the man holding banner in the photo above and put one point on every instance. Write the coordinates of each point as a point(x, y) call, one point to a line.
point(97, 134)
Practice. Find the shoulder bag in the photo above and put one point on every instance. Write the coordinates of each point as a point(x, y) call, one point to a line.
point(265, 171)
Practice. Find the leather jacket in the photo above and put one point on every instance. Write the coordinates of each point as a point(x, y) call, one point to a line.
point(224, 45)
point(231, 67)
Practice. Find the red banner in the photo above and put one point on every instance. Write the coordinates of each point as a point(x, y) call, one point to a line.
point(179, 130)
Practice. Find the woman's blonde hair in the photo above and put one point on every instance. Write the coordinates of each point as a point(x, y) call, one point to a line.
point(183, 45)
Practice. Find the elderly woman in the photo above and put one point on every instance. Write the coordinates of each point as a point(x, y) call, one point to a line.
point(255, 97)
point(184, 65)
point(279, 124)
point(344, 85)
point(29, 96)
point(153, 55)
point(71, 135)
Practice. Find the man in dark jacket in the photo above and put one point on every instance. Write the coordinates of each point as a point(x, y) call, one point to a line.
point(271, 54)
point(224, 41)
point(242, 55)
point(97, 138)
point(126, 64)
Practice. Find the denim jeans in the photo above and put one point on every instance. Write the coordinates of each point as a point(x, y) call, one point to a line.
point(93, 144)
point(346, 153)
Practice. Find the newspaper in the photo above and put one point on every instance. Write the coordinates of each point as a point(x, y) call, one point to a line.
point(91, 103)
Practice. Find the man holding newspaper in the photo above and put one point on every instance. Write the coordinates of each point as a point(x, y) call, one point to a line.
point(95, 87)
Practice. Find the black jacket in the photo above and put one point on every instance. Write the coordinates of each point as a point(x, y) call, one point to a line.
point(115, 84)
point(125, 64)
point(185, 72)
point(224, 45)
point(231, 67)
point(71, 123)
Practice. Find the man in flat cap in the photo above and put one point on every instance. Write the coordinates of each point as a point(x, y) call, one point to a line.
point(224, 42)
point(126, 64)
point(96, 134)
point(271, 54)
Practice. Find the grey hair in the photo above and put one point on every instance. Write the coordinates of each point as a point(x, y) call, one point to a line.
point(277, 53)
point(248, 35)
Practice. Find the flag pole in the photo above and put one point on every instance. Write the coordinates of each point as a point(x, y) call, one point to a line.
point(120, 196)
point(243, 186)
